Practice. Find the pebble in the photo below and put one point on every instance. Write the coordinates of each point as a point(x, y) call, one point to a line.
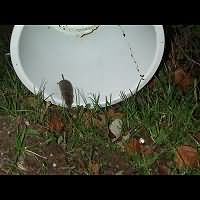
point(54, 165)
point(51, 155)
point(141, 141)
point(27, 123)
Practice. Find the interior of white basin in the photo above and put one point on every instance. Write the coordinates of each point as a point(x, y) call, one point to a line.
point(99, 64)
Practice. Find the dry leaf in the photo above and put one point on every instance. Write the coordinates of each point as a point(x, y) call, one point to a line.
point(100, 120)
point(116, 129)
point(19, 120)
point(163, 170)
point(55, 123)
point(182, 79)
point(147, 150)
point(152, 84)
point(187, 82)
point(133, 146)
point(186, 156)
point(40, 129)
point(179, 76)
point(114, 115)
point(87, 119)
point(93, 168)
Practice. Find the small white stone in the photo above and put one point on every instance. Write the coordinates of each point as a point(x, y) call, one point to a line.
point(141, 141)
point(54, 165)
point(51, 155)
point(26, 123)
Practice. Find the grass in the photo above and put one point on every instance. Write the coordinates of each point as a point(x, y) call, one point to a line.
point(164, 114)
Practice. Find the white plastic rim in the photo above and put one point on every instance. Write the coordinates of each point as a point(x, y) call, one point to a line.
point(77, 30)
point(111, 60)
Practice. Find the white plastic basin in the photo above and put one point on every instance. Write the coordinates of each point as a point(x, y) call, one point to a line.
point(110, 60)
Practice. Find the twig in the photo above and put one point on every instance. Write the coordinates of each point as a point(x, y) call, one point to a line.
point(196, 96)
point(132, 53)
point(90, 32)
point(191, 136)
point(48, 104)
point(31, 152)
point(189, 58)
